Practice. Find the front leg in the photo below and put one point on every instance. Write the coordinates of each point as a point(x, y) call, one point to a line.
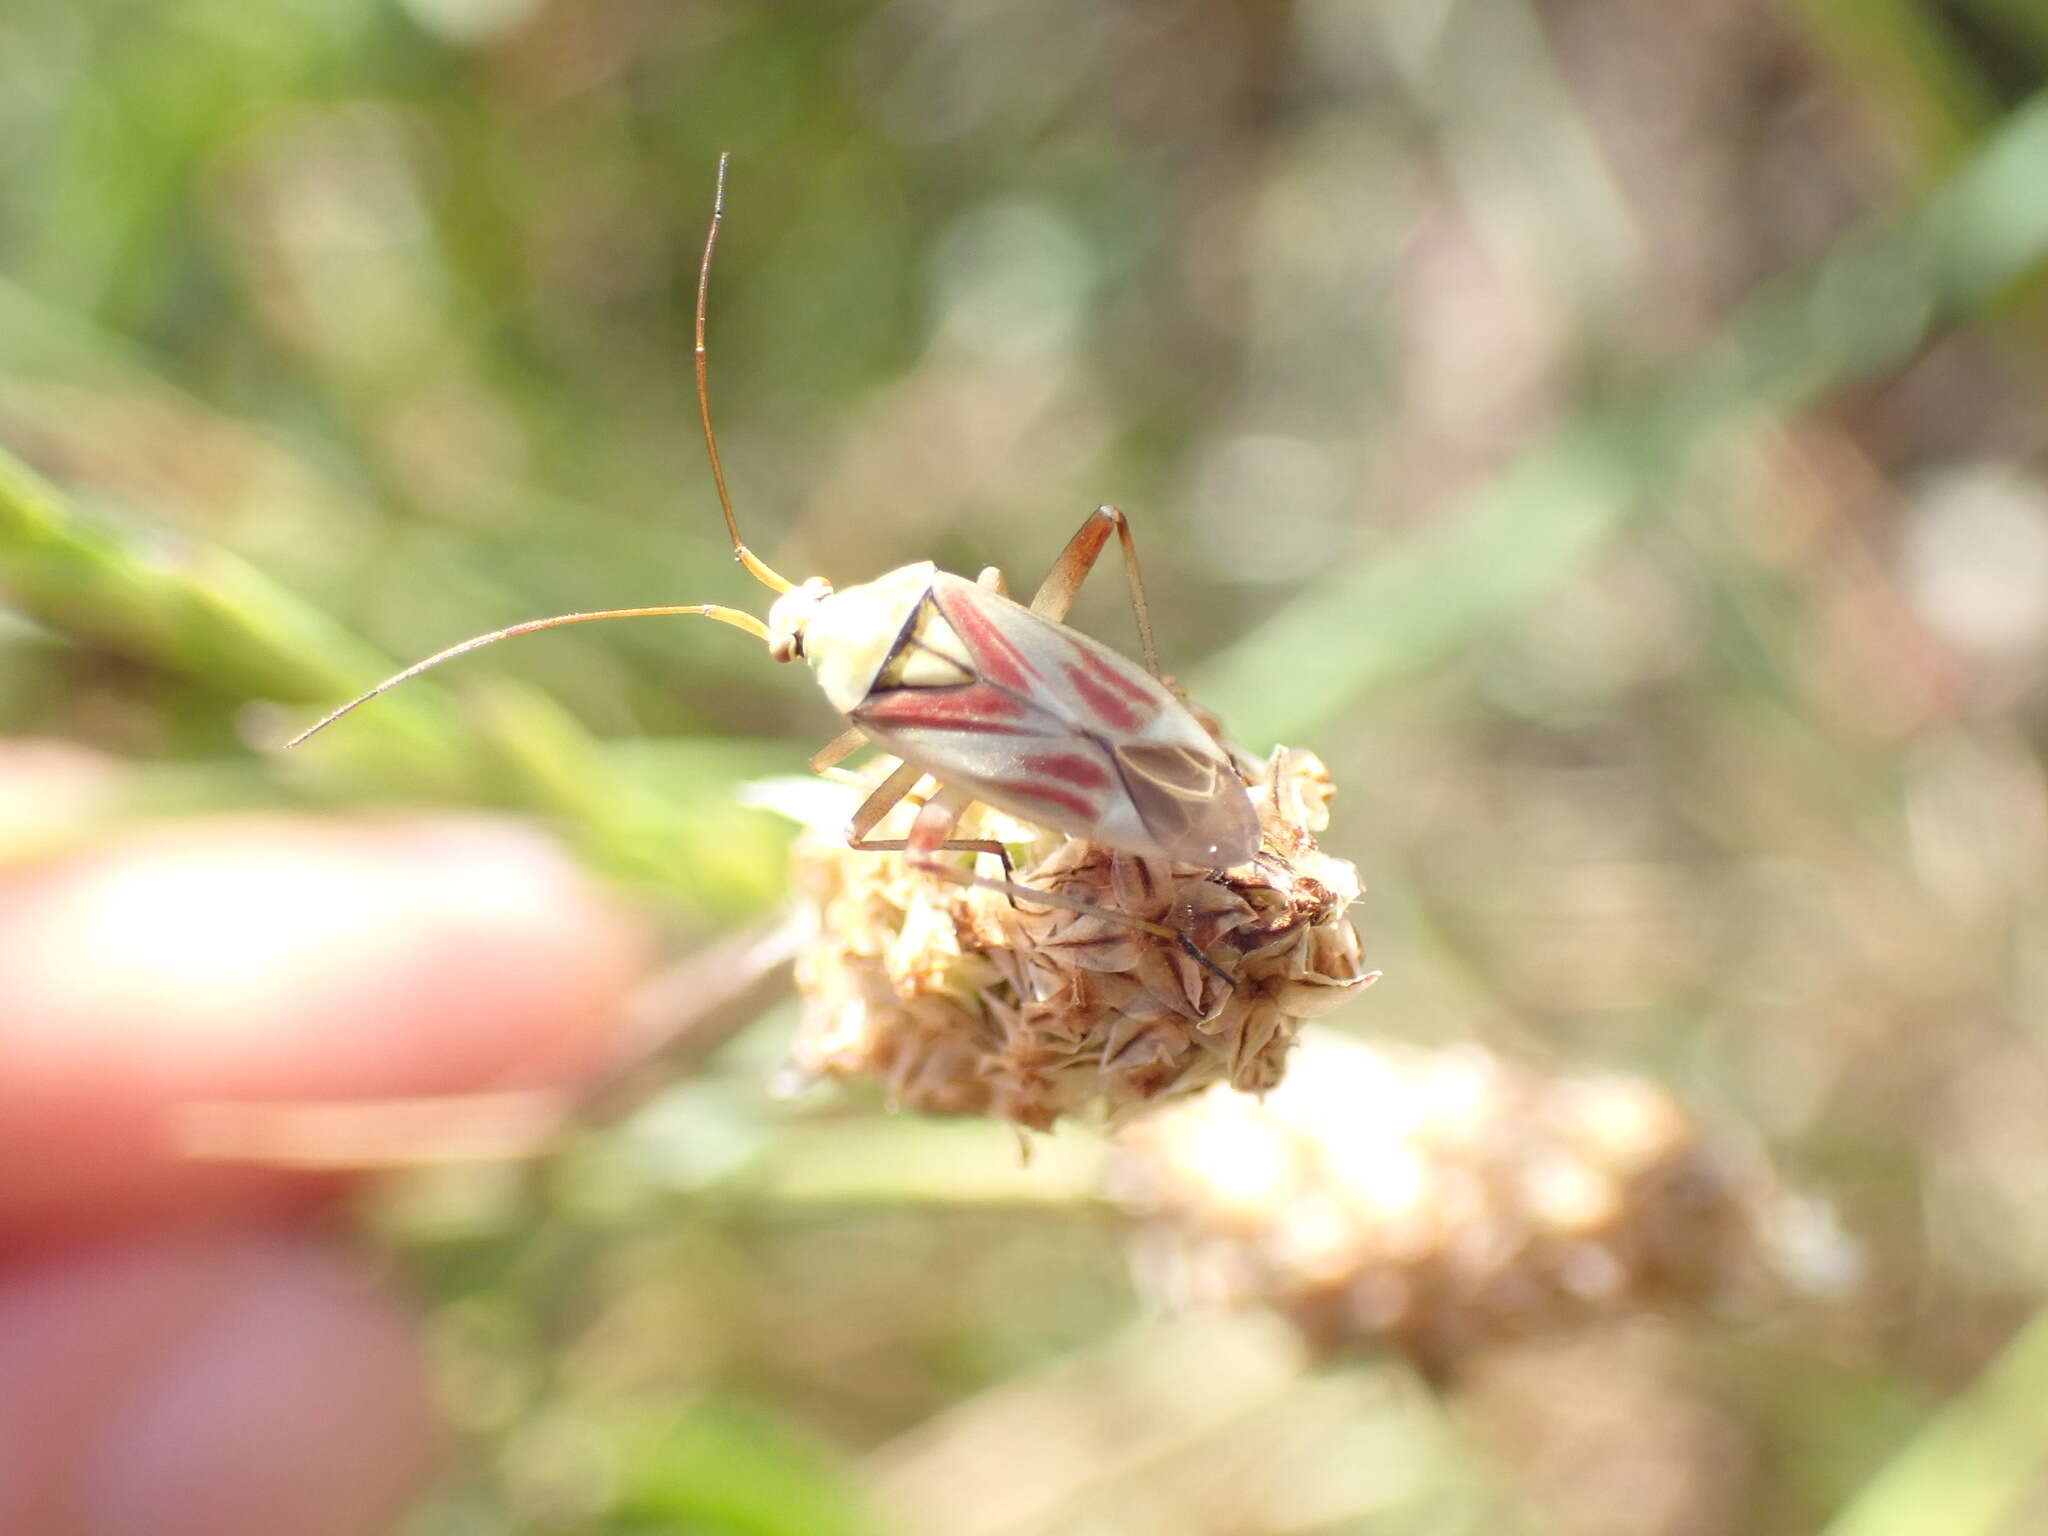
point(931, 835)
point(838, 749)
point(890, 793)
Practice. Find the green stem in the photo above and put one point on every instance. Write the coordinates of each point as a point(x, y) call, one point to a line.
point(1966, 1470)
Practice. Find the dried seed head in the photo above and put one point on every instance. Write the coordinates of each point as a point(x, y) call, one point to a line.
point(963, 1003)
point(1439, 1201)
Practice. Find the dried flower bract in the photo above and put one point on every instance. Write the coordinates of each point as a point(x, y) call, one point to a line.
point(1439, 1201)
point(962, 1003)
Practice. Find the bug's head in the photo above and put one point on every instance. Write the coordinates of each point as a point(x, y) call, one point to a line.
point(791, 616)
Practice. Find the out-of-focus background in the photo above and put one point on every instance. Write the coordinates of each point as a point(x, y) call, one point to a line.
point(1609, 432)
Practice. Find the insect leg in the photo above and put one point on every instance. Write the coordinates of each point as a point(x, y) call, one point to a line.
point(838, 749)
point(885, 798)
point(928, 838)
point(1055, 594)
point(953, 845)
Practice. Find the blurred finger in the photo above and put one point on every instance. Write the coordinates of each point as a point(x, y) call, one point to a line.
point(246, 1387)
point(276, 960)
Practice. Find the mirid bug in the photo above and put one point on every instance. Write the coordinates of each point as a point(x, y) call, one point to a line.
point(999, 702)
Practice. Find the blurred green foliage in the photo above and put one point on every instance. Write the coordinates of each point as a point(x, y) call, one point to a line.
point(1611, 436)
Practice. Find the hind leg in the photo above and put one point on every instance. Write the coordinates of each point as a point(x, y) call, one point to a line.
point(1056, 593)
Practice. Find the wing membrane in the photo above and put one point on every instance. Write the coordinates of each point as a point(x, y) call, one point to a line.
point(1191, 802)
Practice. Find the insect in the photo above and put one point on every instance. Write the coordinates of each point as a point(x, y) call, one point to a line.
point(998, 702)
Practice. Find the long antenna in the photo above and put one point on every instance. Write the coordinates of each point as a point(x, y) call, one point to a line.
point(732, 616)
point(755, 566)
point(758, 568)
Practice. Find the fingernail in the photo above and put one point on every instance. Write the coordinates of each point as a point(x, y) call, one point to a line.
point(297, 1403)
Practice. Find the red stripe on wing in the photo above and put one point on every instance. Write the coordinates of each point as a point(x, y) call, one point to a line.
point(1052, 794)
point(999, 659)
point(970, 707)
point(1068, 768)
point(1106, 672)
point(1103, 702)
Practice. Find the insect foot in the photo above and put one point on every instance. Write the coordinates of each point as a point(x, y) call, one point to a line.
point(962, 1003)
